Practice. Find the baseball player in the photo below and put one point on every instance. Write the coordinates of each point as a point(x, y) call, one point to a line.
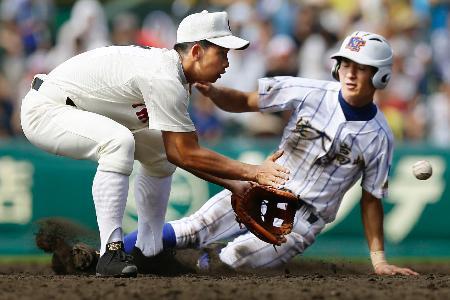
point(116, 104)
point(335, 136)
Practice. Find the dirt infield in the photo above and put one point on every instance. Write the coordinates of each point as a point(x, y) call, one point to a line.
point(303, 279)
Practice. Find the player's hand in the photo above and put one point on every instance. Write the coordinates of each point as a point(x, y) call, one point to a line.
point(271, 173)
point(239, 187)
point(387, 269)
point(206, 88)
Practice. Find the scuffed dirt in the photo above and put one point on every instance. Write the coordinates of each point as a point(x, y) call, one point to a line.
point(302, 279)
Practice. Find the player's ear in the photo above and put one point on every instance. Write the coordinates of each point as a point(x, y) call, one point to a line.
point(335, 69)
point(196, 52)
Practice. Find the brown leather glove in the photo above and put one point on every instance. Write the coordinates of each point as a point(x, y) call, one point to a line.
point(266, 212)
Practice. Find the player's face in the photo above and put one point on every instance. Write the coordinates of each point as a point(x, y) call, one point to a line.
point(356, 82)
point(213, 63)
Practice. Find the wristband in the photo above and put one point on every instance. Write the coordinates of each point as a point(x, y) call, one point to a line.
point(377, 258)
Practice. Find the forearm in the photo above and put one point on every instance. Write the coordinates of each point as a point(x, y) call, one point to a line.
point(372, 217)
point(225, 183)
point(217, 168)
point(232, 100)
point(182, 150)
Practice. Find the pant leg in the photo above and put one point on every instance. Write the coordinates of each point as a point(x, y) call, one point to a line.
point(151, 196)
point(250, 252)
point(64, 130)
point(150, 152)
point(214, 221)
point(152, 187)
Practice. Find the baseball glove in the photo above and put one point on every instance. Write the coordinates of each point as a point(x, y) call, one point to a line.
point(266, 212)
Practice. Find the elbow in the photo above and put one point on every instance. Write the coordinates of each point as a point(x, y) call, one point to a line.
point(187, 162)
point(172, 158)
point(182, 160)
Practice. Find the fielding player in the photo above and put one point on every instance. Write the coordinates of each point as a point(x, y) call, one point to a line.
point(116, 104)
point(335, 136)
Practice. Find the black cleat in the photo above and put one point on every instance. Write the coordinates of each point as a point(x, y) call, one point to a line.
point(164, 263)
point(115, 262)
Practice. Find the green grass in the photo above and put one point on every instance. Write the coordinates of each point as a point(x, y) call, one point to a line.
point(26, 259)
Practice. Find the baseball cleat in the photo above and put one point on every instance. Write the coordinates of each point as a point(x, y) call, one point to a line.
point(165, 263)
point(115, 262)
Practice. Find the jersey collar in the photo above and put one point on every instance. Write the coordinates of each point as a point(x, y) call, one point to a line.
point(179, 66)
point(353, 113)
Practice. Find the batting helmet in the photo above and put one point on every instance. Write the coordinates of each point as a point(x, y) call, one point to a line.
point(370, 49)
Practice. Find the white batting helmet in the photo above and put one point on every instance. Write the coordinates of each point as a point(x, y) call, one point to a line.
point(370, 49)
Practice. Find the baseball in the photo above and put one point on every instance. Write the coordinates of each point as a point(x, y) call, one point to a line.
point(422, 170)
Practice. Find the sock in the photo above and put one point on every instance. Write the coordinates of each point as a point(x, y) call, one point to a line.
point(109, 191)
point(169, 239)
point(151, 195)
point(214, 221)
point(130, 241)
point(168, 236)
point(116, 236)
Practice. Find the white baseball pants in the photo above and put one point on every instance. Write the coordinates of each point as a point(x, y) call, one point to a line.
point(64, 130)
point(215, 221)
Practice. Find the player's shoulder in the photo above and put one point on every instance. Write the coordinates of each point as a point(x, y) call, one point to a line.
point(111, 50)
point(154, 56)
point(383, 126)
point(167, 65)
point(160, 64)
point(295, 83)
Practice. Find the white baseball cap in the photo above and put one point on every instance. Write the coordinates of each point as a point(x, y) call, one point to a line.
point(213, 27)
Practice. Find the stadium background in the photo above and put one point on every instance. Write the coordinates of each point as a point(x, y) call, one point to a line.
point(287, 38)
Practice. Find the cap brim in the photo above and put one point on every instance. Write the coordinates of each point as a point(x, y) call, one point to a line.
point(230, 42)
point(338, 55)
point(354, 58)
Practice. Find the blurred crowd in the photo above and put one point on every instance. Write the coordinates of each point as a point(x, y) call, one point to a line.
point(287, 38)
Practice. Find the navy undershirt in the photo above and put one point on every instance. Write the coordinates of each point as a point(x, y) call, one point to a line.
point(353, 113)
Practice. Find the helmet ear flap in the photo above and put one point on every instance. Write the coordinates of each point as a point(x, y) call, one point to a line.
point(381, 78)
point(335, 69)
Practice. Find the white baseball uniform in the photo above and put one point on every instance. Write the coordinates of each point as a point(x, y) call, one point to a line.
point(328, 145)
point(133, 87)
point(109, 105)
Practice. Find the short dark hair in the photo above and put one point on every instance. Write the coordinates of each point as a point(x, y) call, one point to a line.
point(182, 48)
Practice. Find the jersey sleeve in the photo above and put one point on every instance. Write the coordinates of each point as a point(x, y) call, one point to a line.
point(285, 92)
point(167, 104)
point(376, 172)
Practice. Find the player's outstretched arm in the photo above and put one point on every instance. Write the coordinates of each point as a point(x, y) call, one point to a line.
point(372, 217)
point(227, 99)
point(183, 150)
